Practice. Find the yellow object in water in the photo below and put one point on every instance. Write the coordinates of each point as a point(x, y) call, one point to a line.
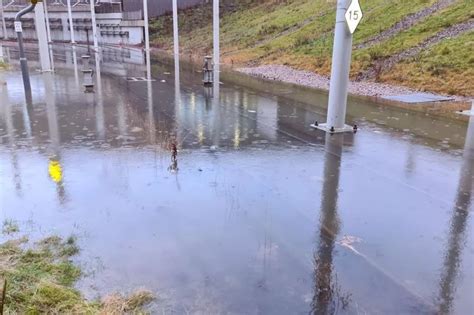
point(55, 171)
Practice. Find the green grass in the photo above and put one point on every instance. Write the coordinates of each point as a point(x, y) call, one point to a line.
point(41, 276)
point(299, 33)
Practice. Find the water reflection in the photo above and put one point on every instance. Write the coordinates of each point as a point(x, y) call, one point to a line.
point(325, 292)
point(250, 174)
point(8, 117)
point(458, 227)
point(98, 99)
point(55, 168)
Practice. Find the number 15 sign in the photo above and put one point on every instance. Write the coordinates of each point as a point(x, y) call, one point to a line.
point(353, 15)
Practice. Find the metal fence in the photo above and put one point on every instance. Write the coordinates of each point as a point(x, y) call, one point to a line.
point(158, 7)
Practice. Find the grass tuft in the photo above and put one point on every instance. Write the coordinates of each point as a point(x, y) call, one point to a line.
point(10, 227)
point(41, 276)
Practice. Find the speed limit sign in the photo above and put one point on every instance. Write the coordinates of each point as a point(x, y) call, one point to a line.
point(353, 15)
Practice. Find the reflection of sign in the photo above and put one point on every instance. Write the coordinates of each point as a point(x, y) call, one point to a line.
point(353, 15)
point(55, 171)
point(18, 27)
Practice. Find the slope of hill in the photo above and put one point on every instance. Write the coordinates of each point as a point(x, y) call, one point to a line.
point(422, 44)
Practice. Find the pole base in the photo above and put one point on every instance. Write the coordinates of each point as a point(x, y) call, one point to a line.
point(326, 128)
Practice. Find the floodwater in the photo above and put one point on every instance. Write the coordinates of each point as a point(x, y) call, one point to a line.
point(259, 213)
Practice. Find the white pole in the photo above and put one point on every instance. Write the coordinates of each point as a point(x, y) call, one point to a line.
point(71, 25)
point(341, 63)
point(177, 82)
point(147, 28)
point(4, 26)
point(48, 28)
point(216, 32)
point(42, 37)
point(50, 39)
point(94, 27)
point(175, 30)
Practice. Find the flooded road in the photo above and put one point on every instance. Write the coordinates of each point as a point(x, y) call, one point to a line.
point(257, 213)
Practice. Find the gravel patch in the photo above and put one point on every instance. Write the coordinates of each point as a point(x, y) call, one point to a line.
point(313, 80)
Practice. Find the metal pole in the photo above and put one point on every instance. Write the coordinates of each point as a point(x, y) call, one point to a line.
point(42, 37)
point(341, 62)
point(146, 21)
point(71, 25)
point(216, 32)
point(175, 30)
point(94, 26)
point(4, 25)
point(50, 38)
point(23, 60)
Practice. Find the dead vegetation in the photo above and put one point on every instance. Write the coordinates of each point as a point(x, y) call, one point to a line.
point(41, 276)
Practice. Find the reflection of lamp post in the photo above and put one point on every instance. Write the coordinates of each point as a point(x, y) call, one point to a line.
point(329, 226)
point(55, 169)
point(452, 259)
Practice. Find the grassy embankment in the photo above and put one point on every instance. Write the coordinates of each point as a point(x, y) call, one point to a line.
point(41, 276)
point(299, 33)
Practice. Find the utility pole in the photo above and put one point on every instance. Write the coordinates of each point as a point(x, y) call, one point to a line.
point(175, 29)
point(176, 54)
point(41, 33)
point(348, 16)
point(4, 25)
point(23, 61)
point(94, 27)
point(147, 28)
point(71, 25)
point(216, 32)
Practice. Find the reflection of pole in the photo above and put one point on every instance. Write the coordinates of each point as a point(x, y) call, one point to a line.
point(94, 26)
point(151, 118)
point(459, 221)
point(100, 122)
point(329, 226)
point(71, 25)
point(341, 62)
point(23, 60)
point(11, 136)
point(55, 168)
point(74, 61)
point(147, 31)
point(42, 37)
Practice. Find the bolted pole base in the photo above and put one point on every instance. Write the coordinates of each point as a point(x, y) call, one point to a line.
point(330, 129)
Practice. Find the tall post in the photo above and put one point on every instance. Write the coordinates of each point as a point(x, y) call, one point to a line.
point(42, 35)
point(147, 28)
point(50, 38)
point(216, 33)
point(175, 30)
point(341, 62)
point(23, 61)
point(4, 25)
point(94, 27)
point(176, 54)
point(71, 25)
